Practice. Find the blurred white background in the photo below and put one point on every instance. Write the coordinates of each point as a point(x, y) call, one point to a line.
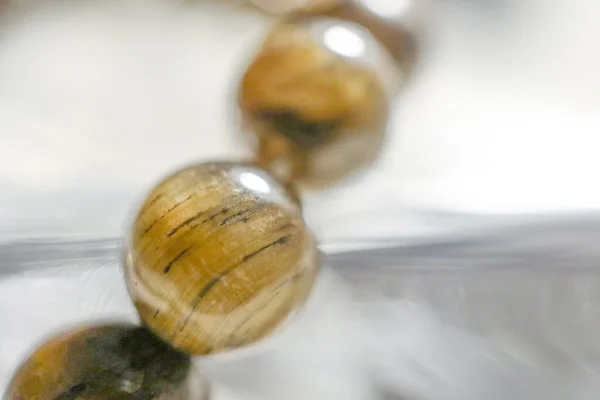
point(98, 99)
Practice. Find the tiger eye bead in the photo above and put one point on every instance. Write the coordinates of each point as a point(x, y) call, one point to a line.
point(108, 362)
point(219, 257)
point(315, 99)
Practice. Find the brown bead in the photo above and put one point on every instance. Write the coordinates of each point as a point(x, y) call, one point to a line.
point(315, 99)
point(108, 362)
point(219, 256)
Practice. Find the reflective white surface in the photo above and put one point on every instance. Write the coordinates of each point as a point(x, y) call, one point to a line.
point(501, 311)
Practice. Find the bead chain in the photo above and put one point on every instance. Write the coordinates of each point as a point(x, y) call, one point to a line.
point(218, 256)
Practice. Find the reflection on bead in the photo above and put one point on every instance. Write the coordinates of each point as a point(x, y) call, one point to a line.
point(109, 362)
point(219, 257)
point(315, 98)
point(388, 23)
point(392, 22)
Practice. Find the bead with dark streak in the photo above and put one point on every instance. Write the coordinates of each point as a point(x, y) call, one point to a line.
point(317, 108)
point(218, 257)
point(109, 362)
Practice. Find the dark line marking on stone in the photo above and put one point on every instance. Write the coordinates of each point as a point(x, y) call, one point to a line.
point(283, 227)
point(194, 218)
point(215, 280)
point(210, 285)
point(151, 203)
point(265, 303)
point(254, 208)
point(156, 314)
point(222, 211)
point(281, 240)
point(165, 214)
point(174, 260)
point(202, 293)
point(184, 224)
point(73, 392)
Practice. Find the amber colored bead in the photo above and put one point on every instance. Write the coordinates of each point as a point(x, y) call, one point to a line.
point(317, 106)
point(109, 362)
point(219, 257)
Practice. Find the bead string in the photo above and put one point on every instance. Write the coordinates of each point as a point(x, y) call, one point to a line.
point(219, 256)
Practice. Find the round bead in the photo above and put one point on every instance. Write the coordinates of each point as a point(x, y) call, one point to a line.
point(109, 362)
point(218, 257)
point(315, 99)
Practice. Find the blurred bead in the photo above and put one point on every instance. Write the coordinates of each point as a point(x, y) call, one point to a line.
point(393, 22)
point(109, 362)
point(388, 21)
point(411, 14)
point(288, 6)
point(315, 99)
point(219, 256)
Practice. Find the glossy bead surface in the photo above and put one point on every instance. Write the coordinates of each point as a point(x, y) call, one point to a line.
point(219, 257)
point(390, 22)
point(393, 23)
point(109, 362)
point(315, 100)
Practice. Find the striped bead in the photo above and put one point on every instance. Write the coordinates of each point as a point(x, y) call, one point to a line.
point(218, 257)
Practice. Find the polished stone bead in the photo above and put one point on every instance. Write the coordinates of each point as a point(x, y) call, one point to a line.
point(219, 257)
point(109, 362)
point(315, 99)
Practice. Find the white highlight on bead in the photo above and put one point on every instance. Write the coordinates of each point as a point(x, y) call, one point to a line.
point(387, 8)
point(344, 41)
point(254, 182)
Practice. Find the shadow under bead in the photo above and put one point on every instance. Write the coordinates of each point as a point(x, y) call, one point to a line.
point(218, 257)
point(109, 362)
point(316, 99)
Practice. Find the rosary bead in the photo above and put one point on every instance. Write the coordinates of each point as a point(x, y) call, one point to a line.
point(108, 362)
point(218, 257)
point(315, 100)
